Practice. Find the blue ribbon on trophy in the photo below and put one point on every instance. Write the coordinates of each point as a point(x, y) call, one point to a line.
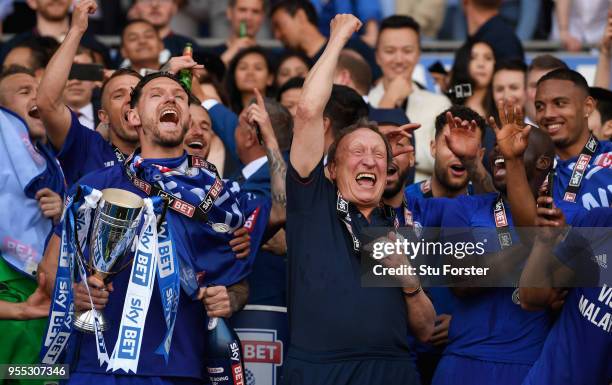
point(169, 284)
point(59, 327)
point(110, 233)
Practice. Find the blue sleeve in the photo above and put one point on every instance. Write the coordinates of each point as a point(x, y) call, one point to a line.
point(434, 212)
point(224, 123)
point(77, 149)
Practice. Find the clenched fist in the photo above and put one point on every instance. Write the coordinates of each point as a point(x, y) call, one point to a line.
point(80, 15)
point(343, 26)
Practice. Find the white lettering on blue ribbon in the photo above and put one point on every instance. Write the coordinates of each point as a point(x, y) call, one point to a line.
point(142, 278)
point(62, 308)
point(169, 285)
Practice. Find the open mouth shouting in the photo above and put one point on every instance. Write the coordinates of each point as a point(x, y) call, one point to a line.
point(33, 112)
point(499, 167)
point(457, 170)
point(366, 179)
point(392, 173)
point(169, 117)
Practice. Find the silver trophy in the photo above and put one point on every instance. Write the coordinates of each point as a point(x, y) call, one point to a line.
point(115, 224)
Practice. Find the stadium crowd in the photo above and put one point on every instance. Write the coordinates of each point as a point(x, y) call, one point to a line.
point(302, 150)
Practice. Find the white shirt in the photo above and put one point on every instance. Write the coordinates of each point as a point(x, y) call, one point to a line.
point(86, 116)
point(253, 166)
point(587, 20)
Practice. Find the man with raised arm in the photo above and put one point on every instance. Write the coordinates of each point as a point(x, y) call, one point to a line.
point(81, 150)
point(160, 110)
point(341, 332)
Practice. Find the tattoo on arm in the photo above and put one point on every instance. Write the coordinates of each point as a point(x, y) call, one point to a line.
point(481, 180)
point(239, 294)
point(278, 170)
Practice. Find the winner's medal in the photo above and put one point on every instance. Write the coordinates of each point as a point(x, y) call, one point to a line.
point(220, 227)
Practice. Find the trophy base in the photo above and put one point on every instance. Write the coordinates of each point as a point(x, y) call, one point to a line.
point(84, 321)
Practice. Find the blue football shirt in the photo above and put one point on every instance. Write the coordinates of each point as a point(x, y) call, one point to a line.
point(196, 243)
point(490, 326)
point(578, 349)
point(596, 187)
point(84, 151)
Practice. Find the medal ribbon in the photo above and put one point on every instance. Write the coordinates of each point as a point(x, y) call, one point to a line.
point(199, 212)
point(169, 284)
point(580, 167)
point(59, 327)
point(126, 353)
point(501, 223)
point(343, 208)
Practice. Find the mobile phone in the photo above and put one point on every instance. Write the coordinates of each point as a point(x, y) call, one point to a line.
point(258, 133)
point(91, 72)
point(548, 191)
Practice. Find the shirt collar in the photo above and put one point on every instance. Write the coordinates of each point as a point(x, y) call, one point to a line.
point(87, 112)
point(253, 166)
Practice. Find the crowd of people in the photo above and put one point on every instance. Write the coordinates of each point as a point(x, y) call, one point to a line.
point(276, 164)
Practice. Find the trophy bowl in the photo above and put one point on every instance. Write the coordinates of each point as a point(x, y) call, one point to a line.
point(114, 226)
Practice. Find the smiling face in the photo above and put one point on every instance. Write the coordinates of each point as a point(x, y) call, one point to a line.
point(536, 163)
point(115, 107)
point(397, 52)
point(448, 169)
point(163, 112)
point(561, 111)
point(482, 62)
point(360, 168)
point(290, 68)
point(252, 72)
point(18, 94)
point(77, 93)
point(141, 44)
point(197, 140)
point(509, 85)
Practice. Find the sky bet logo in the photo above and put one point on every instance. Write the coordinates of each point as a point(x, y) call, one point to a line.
point(128, 342)
point(142, 261)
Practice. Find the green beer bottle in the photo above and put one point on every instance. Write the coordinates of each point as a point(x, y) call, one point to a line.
point(185, 74)
point(243, 29)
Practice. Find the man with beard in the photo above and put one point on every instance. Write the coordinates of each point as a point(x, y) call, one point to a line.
point(503, 349)
point(450, 177)
point(449, 180)
point(79, 149)
point(159, 108)
point(584, 164)
point(338, 332)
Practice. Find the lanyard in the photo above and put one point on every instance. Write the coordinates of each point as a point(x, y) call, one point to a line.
point(501, 223)
point(343, 208)
point(580, 168)
point(199, 212)
point(118, 154)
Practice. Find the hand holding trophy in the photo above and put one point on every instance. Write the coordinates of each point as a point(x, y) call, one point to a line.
point(115, 223)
